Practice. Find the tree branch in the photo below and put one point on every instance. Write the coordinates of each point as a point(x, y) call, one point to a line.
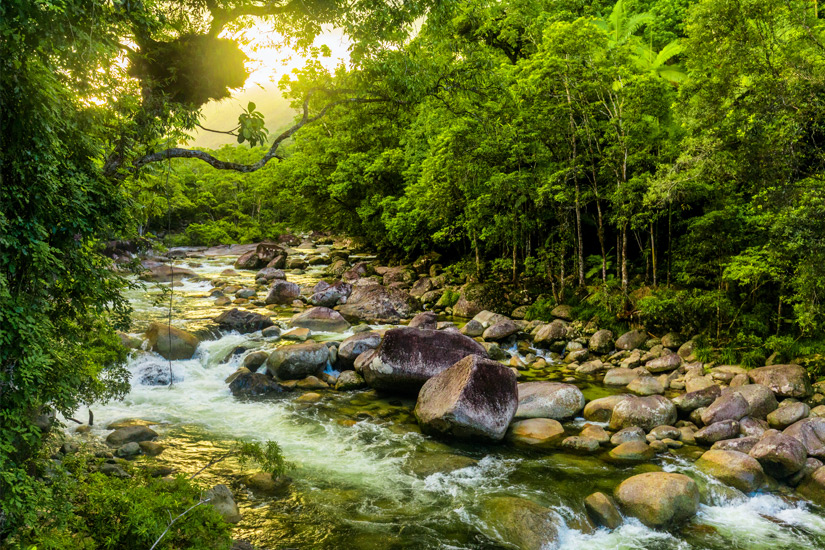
point(172, 522)
point(222, 16)
point(178, 152)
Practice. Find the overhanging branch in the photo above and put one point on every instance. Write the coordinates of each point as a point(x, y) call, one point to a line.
point(179, 152)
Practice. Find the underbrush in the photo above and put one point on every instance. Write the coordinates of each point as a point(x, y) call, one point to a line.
point(85, 510)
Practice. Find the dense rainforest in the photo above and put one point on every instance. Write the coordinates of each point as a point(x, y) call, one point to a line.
point(661, 160)
point(657, 163)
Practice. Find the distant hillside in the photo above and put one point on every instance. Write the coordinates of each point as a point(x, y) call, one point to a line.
point(223, 115)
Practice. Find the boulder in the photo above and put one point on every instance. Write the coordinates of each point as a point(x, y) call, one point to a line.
point(600, 410)
point(130, 434)
point(330, 295)
point(550, 334)
point(170, 342)
point(477, 297)
point(255, 360)
point(520, 523)
point(620, 377)
point(672, 340)
point(269, 273)
point(731, 406)
point(602, 510)
point(658, 499)
point(783, 380)
point(689, 402)
point(761, 400)
point(475, 397)
point(628, 434)
point(549, 400)
point(378, 304)
point(472, 329)
point(788, 414)
point(631, 340)
point(354, 346)
point(580, 444)
point(535, 432)
point(298, 361)
point(320, 319)
point(253, 384)
point(710, 434)
point(243, 321)
point(349, 380)
point(408, 357)
point(811, 433)
point(282, 293)
point(780, 455)
point(601, 342)
point(563, 312)
point(264, 254)
point(644, 412)
point(501, 330)
point(157, 374)
point(665, 363)
point(167, 273)
point(733, 468)
point(425, 319)
point(631, 452)
point(220, 498)
point(646, 385)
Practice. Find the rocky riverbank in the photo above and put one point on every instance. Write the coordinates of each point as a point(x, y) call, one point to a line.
point(491, 377)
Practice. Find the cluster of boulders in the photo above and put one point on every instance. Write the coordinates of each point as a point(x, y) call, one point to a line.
point(750, 429)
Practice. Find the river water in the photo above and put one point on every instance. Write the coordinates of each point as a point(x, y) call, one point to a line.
point(364, 477)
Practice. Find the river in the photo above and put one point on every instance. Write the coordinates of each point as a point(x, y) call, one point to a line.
point(378, 483)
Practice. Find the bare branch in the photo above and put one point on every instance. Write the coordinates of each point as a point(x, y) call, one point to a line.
point(178, 152)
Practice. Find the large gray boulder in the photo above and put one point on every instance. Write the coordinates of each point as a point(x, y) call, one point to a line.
point(631, 340)
point(549, 400)
point(645, 412)
point(320, 319)
point(408, 357)
point(282, 293)
point(298, 361)
point(170, 342)
point(550, 334)
point(474, 398)
point(658, 499)
point(780, 455)
point(378, 304)
point(733, 468)
point(783, 380)
point(243, 321)
point(354, 346)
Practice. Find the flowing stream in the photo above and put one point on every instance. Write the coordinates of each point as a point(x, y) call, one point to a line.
point(365, 478)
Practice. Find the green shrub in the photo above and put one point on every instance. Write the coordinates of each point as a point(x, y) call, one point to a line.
point(103, 512)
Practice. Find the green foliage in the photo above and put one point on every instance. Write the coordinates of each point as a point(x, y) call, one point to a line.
point(267, 456)
point(107, 512)
point(251, 126)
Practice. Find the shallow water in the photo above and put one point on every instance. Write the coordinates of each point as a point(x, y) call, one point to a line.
point(379, 483)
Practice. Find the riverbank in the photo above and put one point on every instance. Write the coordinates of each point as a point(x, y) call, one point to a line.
point(365, 476)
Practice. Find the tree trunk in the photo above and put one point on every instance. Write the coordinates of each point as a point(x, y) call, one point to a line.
point(579, 244)
point(624, 258)
point(601, 241)
point(653, 253)
point(515, 248)
point(478, 257)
